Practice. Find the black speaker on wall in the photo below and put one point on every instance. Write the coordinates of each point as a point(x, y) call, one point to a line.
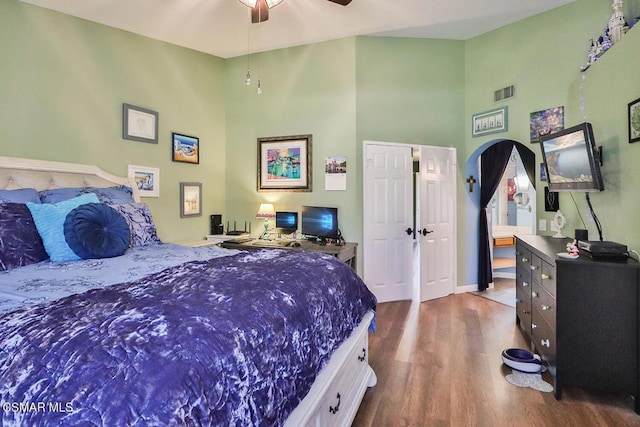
point(216, 224)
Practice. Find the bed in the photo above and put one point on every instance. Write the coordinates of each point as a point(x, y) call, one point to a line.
point(163, 334)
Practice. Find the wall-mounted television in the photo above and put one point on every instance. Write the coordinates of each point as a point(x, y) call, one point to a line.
point(320, 222)
point(572, 160)
point(286, 222)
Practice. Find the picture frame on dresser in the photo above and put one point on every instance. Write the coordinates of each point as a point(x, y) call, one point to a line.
point(139, 124)
point(284, 163)
point(190, 199)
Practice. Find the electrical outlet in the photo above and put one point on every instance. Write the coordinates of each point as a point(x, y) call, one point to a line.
point(542, 225)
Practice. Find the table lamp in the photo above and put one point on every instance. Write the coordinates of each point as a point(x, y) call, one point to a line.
point(267, 212)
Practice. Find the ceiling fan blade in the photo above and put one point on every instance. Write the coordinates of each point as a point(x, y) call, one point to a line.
point(342, 2)
point(260, 12)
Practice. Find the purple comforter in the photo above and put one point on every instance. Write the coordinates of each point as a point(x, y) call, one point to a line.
point(235, 340)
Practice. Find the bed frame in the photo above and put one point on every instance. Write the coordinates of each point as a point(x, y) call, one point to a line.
point(16, 173)
point(339, 388)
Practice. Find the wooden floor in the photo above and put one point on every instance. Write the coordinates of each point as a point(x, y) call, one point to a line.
point(438, 364)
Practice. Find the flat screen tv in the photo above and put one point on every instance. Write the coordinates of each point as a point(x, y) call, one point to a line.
point(320, 222)
point(572, 160)
point(286, 222)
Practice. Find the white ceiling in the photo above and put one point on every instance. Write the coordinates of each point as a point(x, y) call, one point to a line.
point(222, 27)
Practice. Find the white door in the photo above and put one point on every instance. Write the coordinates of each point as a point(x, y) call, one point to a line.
point(437, 221)
point(388, 213)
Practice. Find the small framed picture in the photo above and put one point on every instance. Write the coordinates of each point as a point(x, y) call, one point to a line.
point(284, 163)
point(185, 148)
point(190, 199)
point(488, 122)
point(634, 121)
point(147, 180)
point(139, 124)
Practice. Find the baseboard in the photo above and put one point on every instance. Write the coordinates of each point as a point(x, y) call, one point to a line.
point(502, 275)
point(466, 288)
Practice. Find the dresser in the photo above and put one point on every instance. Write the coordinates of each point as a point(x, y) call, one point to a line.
point(580, 315)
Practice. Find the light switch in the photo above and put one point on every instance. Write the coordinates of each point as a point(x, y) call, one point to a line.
point(542, 225)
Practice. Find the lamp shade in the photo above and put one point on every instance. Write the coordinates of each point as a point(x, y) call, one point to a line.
point(266, 211)
point(252, 3)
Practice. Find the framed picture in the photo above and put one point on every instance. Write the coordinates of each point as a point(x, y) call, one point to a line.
point(543, 172)
point(185, 148)
point(284, 163)
point(147, 179)
point(139, 124)
point(488, 122)
point(634, 121)
point(545, 122)
point(190, 199)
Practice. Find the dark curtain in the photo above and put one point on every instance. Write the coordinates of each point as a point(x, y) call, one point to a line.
point(493, 162)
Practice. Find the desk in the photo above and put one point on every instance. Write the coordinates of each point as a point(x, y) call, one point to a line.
point(345, 252)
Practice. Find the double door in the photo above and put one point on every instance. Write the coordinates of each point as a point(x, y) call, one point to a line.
point(409, 221)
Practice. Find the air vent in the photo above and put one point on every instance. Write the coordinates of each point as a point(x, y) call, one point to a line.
point(504, 93)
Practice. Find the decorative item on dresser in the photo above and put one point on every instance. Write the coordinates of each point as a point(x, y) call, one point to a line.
point(581, 315)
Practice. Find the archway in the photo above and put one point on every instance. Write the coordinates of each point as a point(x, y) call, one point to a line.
point(475, 257)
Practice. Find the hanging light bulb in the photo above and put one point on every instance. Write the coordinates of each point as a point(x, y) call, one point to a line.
point(248, 79)
point(259, 90)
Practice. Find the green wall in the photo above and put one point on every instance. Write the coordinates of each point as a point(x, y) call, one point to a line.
point(306, 90)
point(63, 81)
point(542, 56)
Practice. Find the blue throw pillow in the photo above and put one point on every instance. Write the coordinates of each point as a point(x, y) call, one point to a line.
point(111, 195)
point(20, 243)
point(22, 195)
point(143, 229)
point(95, 230)
point(49, 219)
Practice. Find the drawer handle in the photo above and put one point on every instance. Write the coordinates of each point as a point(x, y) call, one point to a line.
point(533, 326)
point(518, 301)
point(525, 259)
point(363, 356)
point(545, 307)
point(534, 294)
point(334, 409)
point(525, 284)
point(525, 312)
point(545, 343)
point(545, 276)
point(534, 267)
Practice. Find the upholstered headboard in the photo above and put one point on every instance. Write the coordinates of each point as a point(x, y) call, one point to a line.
point(16, 173)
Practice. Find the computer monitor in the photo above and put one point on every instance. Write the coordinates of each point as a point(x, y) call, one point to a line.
point(286, 222)
point(321, 222)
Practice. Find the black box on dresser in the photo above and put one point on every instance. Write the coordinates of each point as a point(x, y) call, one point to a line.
point(581, 315)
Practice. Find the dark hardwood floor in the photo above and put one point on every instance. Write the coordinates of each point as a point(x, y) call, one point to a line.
point(438, 364)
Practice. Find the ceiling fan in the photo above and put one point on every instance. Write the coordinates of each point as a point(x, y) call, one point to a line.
point(260, 8)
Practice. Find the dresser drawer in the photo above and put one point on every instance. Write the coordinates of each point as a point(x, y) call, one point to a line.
point(544, 340)
point(536, 268)
point(544, 304)
point(548, 277)
point(523, 258)
point(338, 407)
point(523, 310)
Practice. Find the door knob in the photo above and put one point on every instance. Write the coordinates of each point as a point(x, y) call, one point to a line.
point(425, 231)
point(409, 231)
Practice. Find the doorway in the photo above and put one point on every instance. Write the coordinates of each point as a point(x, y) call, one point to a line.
point(409, 221)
